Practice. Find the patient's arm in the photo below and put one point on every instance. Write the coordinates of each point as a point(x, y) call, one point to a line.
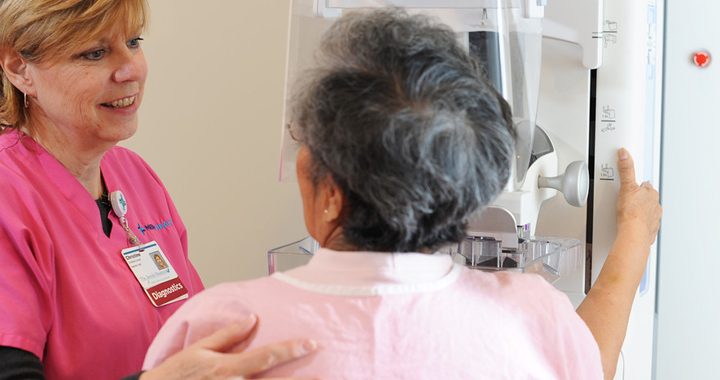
point(606, 308)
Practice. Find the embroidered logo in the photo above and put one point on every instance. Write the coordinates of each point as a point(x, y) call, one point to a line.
point(154, 227)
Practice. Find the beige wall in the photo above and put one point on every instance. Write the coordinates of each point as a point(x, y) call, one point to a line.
point(210, 126)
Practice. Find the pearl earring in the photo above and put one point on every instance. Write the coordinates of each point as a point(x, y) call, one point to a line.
point(25, 101)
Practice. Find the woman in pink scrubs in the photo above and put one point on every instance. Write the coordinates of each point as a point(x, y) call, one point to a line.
point(401, 140)
point(81, 291)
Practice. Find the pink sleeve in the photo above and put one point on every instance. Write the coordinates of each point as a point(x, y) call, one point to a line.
point(576, 352)
point(26, 288)
point(199, 317)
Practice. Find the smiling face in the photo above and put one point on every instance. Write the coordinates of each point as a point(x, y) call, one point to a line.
point(90, 95)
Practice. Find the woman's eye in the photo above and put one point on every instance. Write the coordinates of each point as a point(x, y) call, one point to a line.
point(94, 55)
point(134, 43)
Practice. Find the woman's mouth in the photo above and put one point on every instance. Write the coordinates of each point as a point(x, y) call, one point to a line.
point(120, 103)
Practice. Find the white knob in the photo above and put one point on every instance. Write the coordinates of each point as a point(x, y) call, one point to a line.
point(574, 183)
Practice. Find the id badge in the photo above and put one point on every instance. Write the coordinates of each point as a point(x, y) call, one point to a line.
point(155, 274)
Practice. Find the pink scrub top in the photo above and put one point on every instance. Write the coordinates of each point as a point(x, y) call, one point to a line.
point(66, 294)
point(399, 316)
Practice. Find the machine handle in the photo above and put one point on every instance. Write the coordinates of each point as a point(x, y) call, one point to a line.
point(574, 183)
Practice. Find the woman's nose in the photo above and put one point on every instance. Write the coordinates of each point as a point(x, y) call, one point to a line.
point(131, 67)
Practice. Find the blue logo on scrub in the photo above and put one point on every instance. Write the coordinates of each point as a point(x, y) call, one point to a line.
point(154, 227)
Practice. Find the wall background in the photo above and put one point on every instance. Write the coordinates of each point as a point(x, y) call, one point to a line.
point(210, 126)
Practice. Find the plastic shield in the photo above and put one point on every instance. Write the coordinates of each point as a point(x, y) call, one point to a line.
point(497, 32)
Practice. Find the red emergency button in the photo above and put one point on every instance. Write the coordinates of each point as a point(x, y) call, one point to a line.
point(701, 58)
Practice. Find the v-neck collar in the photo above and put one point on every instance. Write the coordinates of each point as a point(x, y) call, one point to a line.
point(66, 184)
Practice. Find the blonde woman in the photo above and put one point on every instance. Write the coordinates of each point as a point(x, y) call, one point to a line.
point(80, 296)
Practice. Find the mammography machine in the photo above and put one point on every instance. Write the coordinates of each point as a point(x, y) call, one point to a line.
point(583, 79)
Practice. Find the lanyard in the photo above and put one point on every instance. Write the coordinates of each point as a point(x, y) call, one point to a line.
point(120, 207)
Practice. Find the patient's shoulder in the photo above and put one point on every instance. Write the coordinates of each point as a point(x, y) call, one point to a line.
point(516, 291)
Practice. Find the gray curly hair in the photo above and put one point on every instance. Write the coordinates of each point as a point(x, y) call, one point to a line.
point(401, 117)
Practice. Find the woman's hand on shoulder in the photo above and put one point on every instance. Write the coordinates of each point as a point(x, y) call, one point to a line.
point(638, 206)
point(221, 355)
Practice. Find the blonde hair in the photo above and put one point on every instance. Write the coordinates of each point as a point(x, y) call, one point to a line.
point(43, 30)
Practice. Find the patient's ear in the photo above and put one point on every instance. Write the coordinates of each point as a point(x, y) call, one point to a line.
point(329, 231)
point(333, 201)
point(17, 71)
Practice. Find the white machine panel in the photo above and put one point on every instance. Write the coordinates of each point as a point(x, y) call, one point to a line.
point(627, 115)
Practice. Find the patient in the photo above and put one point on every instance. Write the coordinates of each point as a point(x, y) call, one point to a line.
point(401, 141)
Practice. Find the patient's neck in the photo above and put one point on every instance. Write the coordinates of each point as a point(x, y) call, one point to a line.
point(340, 246)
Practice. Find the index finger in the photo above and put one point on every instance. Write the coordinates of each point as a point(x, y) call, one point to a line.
point(229, 336)
point(626, 168)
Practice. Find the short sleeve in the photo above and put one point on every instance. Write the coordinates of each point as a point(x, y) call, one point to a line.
point(576, 353)
point(26, 282)
point(199, 317)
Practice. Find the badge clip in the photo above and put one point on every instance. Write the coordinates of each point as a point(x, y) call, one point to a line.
point(120, 208)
